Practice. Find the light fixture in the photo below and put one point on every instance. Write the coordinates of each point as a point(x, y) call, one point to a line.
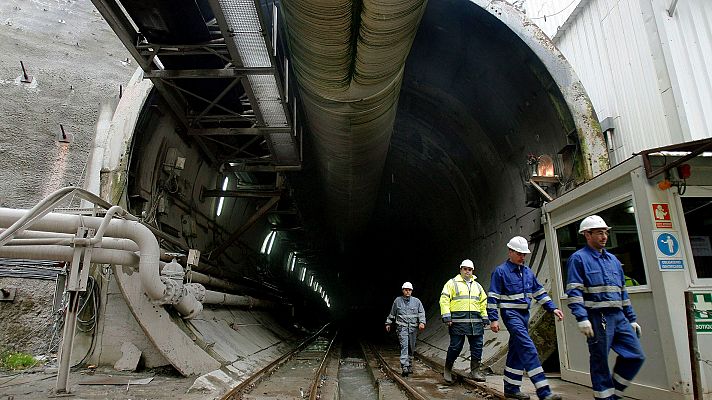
point(545, 166)
point(263, 249)
point(222, 199)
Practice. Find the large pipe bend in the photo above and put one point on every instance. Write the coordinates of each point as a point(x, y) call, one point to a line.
point(149, 250)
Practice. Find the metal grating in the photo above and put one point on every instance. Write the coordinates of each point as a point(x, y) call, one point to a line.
point(252, 49)
point(282, 143)
point(272, 112)
point(244, 25)
point(264, 86)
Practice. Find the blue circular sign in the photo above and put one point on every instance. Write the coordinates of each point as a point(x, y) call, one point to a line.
point(668, 244)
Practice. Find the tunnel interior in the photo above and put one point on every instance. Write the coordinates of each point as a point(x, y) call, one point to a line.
point(475, 104)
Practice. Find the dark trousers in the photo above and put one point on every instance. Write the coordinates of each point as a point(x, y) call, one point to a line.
point(458, 341)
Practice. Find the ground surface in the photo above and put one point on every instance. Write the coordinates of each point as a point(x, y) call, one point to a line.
point(40, 383)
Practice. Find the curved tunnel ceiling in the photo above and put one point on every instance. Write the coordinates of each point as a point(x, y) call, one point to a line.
point(480, 90)
point(475, 102)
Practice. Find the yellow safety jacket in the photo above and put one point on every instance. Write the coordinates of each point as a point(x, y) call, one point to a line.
point(460, 302)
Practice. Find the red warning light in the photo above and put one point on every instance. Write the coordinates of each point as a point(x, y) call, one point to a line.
point(684, 171)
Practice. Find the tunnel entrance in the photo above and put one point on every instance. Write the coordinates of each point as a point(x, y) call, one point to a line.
point(477, 103)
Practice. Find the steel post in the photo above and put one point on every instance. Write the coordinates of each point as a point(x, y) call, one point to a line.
point(65, 357)
point(697, 389)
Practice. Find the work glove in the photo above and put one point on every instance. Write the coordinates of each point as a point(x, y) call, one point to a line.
point(637, 329)
point(586, 328)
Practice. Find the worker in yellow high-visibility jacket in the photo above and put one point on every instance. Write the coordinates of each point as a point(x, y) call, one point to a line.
point(463, 307)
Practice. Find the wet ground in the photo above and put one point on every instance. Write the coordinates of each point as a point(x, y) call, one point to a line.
point(355, 381)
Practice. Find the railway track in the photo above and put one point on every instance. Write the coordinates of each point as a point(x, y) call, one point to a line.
point(308, 372)
point(426, 382)
point(311, 371)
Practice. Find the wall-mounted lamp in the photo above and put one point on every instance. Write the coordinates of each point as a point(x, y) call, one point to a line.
point(541, 181)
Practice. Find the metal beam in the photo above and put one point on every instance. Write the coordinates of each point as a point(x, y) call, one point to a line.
point(261, 168)
point(694, 148)
point(235, 131)
point(207, 73)
point(239, 193)
point(123, 27)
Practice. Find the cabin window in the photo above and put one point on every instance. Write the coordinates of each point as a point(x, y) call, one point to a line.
point(698, 218)
point(623, 242)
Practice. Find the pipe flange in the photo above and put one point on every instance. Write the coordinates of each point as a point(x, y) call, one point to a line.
point(173, 293)
point(197, 290)
point(198, 308)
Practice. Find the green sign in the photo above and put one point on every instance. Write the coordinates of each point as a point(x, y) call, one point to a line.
point(703, 312)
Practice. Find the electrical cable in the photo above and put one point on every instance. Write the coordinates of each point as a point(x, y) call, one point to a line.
point(94, 296)
point(554, 14)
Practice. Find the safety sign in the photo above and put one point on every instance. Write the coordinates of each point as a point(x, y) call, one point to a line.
point(667, 248)
point(661, 216)
point(703, 312)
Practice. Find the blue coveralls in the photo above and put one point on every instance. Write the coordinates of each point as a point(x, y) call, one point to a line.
point(595, 285)
point(511, 288)
point(407, 313)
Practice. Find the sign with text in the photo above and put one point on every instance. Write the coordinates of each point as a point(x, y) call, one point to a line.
point(703, 312)
point(667, 249)
point(661, 216)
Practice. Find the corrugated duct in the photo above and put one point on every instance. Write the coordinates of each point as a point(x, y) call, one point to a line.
point(348, 57)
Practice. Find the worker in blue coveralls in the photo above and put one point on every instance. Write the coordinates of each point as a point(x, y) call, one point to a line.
point(598, 299)
point(512, 287)
point(409, 315)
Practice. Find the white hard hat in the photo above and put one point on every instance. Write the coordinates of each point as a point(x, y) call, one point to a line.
point(519, 244)
point(407, 285)
point(592, 222)
point(467, 263)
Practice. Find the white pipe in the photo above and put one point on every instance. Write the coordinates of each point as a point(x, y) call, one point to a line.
point(135, 231)
point(106, 243)
point(212, 297)
point(66, 253)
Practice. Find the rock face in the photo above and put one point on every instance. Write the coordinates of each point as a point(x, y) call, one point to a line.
point(28, 320)
point(77, 65)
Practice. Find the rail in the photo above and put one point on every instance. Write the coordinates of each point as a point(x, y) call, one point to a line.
point(250, 383)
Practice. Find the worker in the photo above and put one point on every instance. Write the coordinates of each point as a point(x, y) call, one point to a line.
point(512, 287)
point(463, 305)
point(598, 299)
point(408, 314)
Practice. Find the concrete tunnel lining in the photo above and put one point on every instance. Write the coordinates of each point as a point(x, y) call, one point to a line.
point(476, 99)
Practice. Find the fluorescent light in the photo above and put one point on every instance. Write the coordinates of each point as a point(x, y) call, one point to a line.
point(267, 242)
point(222, 199)
point(271, 242)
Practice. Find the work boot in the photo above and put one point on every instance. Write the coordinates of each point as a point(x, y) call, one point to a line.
point(404, 371)
point(447, 373)
point(410, 369)
point(475, 372)
point(552, 397)
point(518, 396)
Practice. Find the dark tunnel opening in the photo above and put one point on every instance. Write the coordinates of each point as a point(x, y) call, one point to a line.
point(475, 102)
